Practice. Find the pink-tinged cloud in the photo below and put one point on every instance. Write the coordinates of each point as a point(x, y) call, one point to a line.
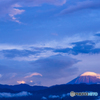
point(11, 7)
point(10, 10)
point(13, 12)
point(33, 74)
point(21, 82)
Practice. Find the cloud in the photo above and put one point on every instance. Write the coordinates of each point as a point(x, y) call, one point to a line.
point(46, 59)
point(21, 72)
point(19, 53)
point(83, 47)
point(35, 52)
point(44, 50)
point(10, 95)
point(21, 82)
point(35, 57)
point(25, 52)
point(59, 96)
point(0, 75)
point(33, 74)
point(44, 98)
point(40, 2)
point(15, 12)
point(81, 5)
point(60, 63)
point(8, 8)
point(53, 96)
point(11, 8)
point(97, 34)
point(12, 47)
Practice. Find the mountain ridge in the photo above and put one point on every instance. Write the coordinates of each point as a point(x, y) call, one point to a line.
point(23, 87)
point(87, 77)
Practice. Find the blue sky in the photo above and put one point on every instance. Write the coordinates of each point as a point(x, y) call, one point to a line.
point(48, 42)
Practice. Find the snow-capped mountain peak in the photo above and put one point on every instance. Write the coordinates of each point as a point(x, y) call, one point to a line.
point(89, 74)
point(87, 77)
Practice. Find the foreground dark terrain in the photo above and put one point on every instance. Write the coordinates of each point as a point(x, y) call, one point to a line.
point(58, 92)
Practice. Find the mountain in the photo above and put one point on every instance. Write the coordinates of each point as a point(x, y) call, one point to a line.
point(6, 90)
point(57, 92)
point(87, 82)
point(88, 78)
point(22, 87)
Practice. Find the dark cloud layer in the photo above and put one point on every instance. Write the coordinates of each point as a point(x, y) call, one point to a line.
point(83, 47)
point(18, 53)
point(97, 35)
point(55, 66)
point(24, 53)
point(51, 68)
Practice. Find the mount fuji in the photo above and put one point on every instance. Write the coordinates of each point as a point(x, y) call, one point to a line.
point(87, 78)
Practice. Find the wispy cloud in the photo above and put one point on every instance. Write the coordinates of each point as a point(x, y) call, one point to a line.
point(11, 8)
point(37, 51)
point(10, 95)
point(40, 2)
point(15, 12)
point(44, 98)
point(54, 96)
point(59, 96)
point(81, 5)
point(33, 74)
